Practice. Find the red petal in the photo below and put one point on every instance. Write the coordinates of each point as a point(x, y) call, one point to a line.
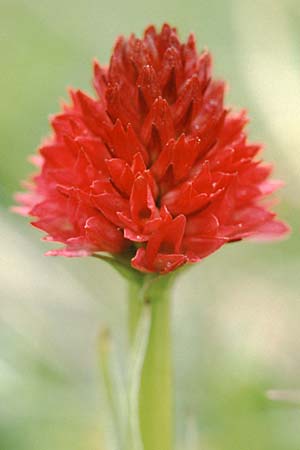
point(142, 204)
point(121, 175)
point(162, 264)
point(110, 205)
point(167, 239)
point(200, 247)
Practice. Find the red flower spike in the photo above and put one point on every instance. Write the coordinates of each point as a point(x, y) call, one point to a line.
point(154, 158)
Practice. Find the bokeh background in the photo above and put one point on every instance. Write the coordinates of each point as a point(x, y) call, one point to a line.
point(236, 316)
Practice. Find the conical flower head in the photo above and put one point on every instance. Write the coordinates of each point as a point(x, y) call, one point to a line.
point(154, 166)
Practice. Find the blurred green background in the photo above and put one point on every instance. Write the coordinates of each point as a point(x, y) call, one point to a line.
point(236, 316)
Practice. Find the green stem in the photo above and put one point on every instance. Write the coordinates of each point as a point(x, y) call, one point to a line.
point(135, 307)
point(155, 398)
point(137, 358)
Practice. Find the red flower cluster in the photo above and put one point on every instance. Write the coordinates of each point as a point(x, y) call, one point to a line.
point(154, 166)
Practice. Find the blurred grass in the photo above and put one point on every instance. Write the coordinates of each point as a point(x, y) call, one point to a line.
point(236, 315)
